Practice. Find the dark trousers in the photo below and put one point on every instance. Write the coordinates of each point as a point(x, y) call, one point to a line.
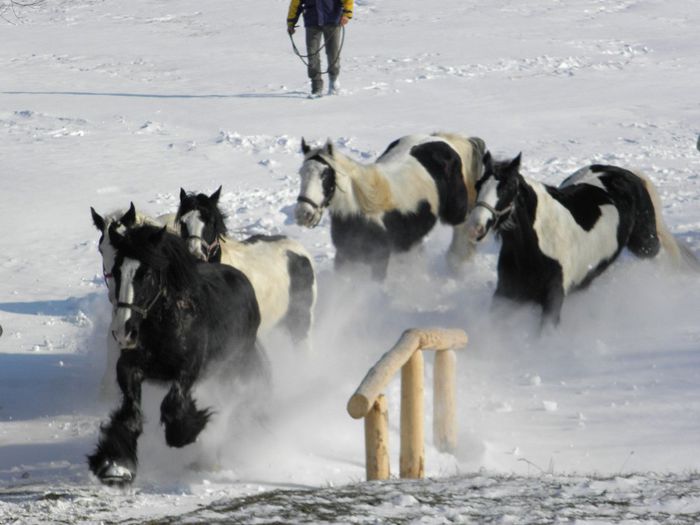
point(331, 37)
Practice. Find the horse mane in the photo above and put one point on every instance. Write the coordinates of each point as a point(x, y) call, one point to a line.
point(141, 219)
point(163, 251)
point(471, 150)
point(370, 188)
point(200, 200)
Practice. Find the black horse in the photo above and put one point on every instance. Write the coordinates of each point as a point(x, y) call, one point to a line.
point(177, 322)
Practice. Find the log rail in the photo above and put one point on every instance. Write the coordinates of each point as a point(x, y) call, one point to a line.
point(369, 403)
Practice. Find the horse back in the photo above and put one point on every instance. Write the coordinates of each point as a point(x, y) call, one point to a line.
point(265, 261)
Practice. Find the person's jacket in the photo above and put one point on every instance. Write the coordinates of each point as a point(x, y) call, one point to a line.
point(318, 12)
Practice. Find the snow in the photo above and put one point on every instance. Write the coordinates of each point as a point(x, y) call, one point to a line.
point(106, 102)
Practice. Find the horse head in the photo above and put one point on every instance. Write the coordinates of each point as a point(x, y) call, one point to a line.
point(496, 190)
point(318, 184)
point(201, 224)
point(139, 268)
point(104, 245)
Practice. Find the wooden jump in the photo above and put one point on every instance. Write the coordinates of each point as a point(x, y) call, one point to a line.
point(368, 401)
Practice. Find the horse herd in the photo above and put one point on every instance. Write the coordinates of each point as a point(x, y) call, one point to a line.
point(189, 301)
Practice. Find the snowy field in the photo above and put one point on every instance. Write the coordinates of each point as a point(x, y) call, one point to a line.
point(105, 102)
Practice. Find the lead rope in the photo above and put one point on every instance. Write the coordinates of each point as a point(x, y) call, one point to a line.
point(331, 64)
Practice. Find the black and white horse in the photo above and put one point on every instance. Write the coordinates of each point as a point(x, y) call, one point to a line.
point(177, 322)
point(279, 268)
point(557, 239)
point(390, 205)
point(122, 220)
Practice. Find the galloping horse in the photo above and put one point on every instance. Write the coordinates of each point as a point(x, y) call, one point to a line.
point(391, 205)
point(279, 268)
point(558, 239)
point(121, 220)
point(177, 322)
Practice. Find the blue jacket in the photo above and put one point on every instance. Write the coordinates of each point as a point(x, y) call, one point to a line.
point(319, 12)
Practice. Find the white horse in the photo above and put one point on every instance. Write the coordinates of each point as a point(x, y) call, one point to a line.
point(391, 205)
point(122, 220)
point(280, 269)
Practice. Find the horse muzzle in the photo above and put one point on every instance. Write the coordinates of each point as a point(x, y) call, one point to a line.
point(195, 248)
point(306, 215)
point(127, 336)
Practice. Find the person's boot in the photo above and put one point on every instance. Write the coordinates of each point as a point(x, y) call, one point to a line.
point(334, 87)
point(316, 89)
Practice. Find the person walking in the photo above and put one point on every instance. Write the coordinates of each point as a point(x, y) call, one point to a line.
point(322, 19)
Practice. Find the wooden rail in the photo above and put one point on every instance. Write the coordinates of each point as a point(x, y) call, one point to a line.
point(368, 401)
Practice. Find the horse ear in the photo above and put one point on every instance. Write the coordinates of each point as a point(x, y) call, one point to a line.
point(97, 220)
point(156, 237)
point(129, 218)
point(215, 196)
point(329, 147)
point(515, 163)
point(183, 195)
point(304, 146)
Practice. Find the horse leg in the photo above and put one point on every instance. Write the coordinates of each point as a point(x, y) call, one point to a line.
point(114, 460)
point(179, 414)
point(108, 384)
point(302, 296)
point(551, 305)
point(461, 248)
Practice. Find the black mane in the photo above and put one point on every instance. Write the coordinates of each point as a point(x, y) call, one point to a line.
point(163, 251)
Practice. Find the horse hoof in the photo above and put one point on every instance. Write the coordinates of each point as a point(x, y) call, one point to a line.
point(113, 474)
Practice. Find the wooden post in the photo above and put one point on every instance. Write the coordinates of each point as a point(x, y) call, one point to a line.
point(377, 441)
point(444, 421)
point(412, 456)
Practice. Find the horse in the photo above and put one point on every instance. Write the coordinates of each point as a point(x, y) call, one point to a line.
point(121, 220)
point(177, 322)
point(390, 205)
point(558, 239)
point(279, 268)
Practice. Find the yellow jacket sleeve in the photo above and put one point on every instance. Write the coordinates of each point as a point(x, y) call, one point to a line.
point(294, 12)
point(347, 8)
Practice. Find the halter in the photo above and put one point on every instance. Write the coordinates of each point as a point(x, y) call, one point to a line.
point(320, 207)
point(327, 200)
point(496, 213)
point(140, 309)
point(210, 248)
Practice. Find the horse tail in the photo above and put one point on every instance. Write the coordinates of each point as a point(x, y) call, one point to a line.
point(471, 151)
point(680, 253)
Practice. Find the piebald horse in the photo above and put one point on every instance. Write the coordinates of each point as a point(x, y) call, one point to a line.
point(280, 269)
point(558, 239)
point(390, 205)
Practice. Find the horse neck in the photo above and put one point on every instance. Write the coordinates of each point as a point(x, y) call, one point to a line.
point(361, 188)
point(519, 233)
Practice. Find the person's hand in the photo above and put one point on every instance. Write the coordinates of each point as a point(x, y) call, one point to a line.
point(290, 30)
point(344, 20)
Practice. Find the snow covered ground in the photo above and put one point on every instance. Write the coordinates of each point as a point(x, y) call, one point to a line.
point(105, 102)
